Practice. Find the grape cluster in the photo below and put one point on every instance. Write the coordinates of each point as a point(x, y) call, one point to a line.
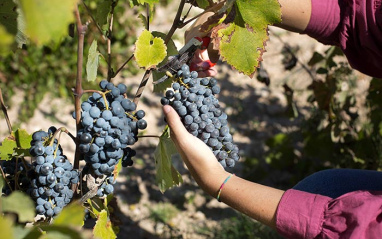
point(110, 125)
point(194, 100)
point(16, 171)
point(53, 174)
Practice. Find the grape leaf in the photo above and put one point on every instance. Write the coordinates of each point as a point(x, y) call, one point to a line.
point(21, 204)
point(203, 3)
point(6, 228)
point(13, 21)
point(117, 169)
point(103, 9)
point(47, 20)
point(166, 175)
point(149, 50)
point(71, 215)
point(23, 138)
point(59, 232)
point(241, 37)
point(7, 148)
point(6, 41)
point(149, 2)
point(103, 228)
point(171, 51)
point(92, 63)
point(16, 144)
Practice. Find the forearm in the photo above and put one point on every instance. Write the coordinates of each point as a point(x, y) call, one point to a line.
point(295, 14)
point(255, 200)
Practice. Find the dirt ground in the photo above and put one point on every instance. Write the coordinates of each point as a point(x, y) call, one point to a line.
point(255, 114)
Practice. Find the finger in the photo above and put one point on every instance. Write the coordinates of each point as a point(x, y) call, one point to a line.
point(173, 120)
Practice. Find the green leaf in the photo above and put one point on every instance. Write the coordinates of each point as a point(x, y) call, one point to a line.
point(93, 62)
point(47, 21)
point(150, 2)
point(6, 40)
point(59, 232)
point(21, 232)
point(103, 228)
point(203, 3)
point(166, 175)
point(11, 24)
point(21, 204)
point(103, 9)
point(149, 50)
point(171, 51)
point(71, 215)
point(23, 138)
point(7, 148)
point(6, 228)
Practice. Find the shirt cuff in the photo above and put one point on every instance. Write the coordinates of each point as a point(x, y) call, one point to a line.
point(300, 214)
point(324, 21)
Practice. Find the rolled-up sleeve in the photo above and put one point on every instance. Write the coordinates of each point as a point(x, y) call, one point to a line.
point(353, 25)
point(355, 215)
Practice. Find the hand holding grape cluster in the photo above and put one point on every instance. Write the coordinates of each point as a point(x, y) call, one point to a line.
point(194, 100)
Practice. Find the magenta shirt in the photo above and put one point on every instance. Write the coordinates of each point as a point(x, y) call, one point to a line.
point(355, 215)
point(353, 25)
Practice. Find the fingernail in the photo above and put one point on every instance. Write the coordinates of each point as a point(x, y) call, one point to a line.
point(166, 109)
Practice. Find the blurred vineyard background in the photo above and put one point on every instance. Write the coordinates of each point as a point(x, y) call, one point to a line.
point(316, 113)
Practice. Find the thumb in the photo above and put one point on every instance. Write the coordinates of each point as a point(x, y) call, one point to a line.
point(173, 120)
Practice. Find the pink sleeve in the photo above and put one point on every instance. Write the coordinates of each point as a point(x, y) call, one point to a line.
point(353, 25)
point(355, 215)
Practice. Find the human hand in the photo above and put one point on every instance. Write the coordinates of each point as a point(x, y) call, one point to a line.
point(204, 59)
point(200, 160)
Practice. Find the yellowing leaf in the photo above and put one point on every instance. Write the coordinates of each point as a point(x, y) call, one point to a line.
point(71, 215)
point(171, 51)
point(6, 228)
point(21, 204)
point(241, 39)
point(103, 228)
point(47, 20)
point(166, 175)
point(92, 63)
point(149, 50)
point(240, 47)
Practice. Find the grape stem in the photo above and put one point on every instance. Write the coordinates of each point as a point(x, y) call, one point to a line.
point(5, 178)
point(4, 109)
point(110, 72)
point(148, 136)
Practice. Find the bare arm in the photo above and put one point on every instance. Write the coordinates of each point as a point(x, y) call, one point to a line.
point(255, 200)
point(295, 14)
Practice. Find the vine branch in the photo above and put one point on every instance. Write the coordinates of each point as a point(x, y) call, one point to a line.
point(110, 72)
point(4, 109)
point(78, 91)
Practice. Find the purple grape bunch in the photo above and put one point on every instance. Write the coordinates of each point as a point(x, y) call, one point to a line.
point(52, 176)
point(110, 125)
point(194, 100)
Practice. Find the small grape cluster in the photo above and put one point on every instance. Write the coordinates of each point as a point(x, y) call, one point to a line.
point(194, 100)
point(109, 127)
point(53, 174)
point(16, 171)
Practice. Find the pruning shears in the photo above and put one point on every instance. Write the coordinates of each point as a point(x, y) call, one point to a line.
point(186, 53)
